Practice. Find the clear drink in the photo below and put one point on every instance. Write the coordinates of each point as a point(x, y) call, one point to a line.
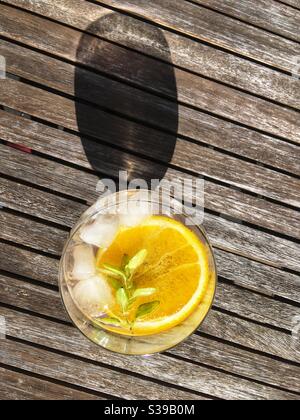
point(134, 278)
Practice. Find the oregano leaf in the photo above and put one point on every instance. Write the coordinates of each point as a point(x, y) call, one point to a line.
point(146, 309)
point(115, 271)
point(143, 292)
point(122, 299)
point(137, 261)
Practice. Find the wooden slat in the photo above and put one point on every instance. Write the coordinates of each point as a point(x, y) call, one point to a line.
point(29, 264)
point(32, 234)
point(224, 234)
point(294, 3)
point(211, 353)
point(267, 14)
point(209, 26)
point(191, 89)
point(259, 337)
point(208, 352)
point(243, 272)
point(111, 128)
point(20, 387)
point(229, 297)
point(258, 277)
point(69, 148)
point(172, 48)
point(58, 210)
point(191, 376)
point(149, 108)
point(86, 375)
point(219, 30)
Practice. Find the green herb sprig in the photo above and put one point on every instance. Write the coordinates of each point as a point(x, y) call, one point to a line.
point(122, 280)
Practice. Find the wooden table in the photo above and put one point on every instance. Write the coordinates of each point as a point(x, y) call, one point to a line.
point(162, 88)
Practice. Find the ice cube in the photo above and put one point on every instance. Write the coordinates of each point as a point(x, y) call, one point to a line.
point(133, 212)
point(94, 295)
point(101, 232)
point(84, 265)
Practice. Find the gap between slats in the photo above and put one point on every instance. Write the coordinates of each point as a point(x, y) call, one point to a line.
point(233, 79)
point(58, 389)
point(116, 364)
point(260, 172)
point(232, 15)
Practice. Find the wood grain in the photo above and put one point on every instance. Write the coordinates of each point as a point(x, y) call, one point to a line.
point(209, 26)
point(224, 234)
point(241, 271)
point(258, 277)
point(150, 109)
point(267, 14)
point(191, 376)
point(180, 51)
point(69, 148)
point(209, 352)
point(208, 162)
point(86, 375)
point(28, 264)
point(191, 89)
point(22, 387)
point(294, 3)
point(233, 299)
point(226, 327)
point(20, 197)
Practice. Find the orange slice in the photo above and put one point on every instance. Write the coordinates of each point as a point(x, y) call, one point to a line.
point(177, 266)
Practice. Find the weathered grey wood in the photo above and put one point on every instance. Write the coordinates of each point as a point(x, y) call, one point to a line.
point(28, 264)
point(244, 272)
point(86, 375)
point(294, 3)
point(248, 242)
point(191, 89)
point(218, 324)
point(32, 234)
point(20, 387)
point(267, 14)
point(258, 277)
point(219, 30)
point(204, 350)
point(223, 233)
point(256, 307)
point(200, 58)
point(149, 108)
point(229, 297)
point(205, 25)
point(18, 197)
point(69, 148)
point(212, 163)
point(259, 338)
point(191, 376)
point(208, 352)
point(45, 173)
point(239, 361)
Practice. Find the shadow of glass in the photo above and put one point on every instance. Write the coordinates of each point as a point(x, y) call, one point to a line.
point(119, 114)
